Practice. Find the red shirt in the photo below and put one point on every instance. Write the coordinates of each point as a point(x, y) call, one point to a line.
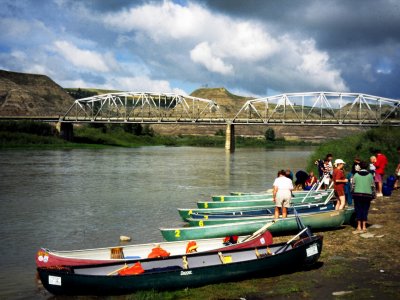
point(380, 164)
point(338, 175)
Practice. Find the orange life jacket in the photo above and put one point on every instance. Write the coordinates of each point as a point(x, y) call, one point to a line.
point(136, 269)
point(191, 247)
point(158, 252)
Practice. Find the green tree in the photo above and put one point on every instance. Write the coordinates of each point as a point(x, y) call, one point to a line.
point(270, 135)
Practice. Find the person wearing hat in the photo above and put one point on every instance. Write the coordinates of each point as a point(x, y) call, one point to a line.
point(339, 181)
point(363, 193)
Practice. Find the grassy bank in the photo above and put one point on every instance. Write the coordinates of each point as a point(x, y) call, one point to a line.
point(27, 134)
point(362, 145)
point(358, 266)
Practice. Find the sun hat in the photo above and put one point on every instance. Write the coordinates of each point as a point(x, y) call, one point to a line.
point(339, 161)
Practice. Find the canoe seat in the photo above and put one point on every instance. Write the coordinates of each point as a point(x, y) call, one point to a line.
point(117, 253)
point(225, 259)
point(185, 262)
point(300, 242)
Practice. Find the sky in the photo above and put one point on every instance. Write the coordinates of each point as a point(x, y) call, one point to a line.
point(252, 48)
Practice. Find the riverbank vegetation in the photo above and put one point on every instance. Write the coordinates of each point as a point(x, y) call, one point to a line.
point(363, 146)
point(29, 134)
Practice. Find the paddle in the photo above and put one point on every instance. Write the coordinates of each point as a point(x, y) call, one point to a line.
point(291, 240)
point(259, 231)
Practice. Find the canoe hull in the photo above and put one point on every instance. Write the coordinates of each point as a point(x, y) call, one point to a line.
point(64, 282)
point(264, 213)
point(315, 198)
point(214, 220)
point(321, 220)
point(47, 258)
point(243, 197)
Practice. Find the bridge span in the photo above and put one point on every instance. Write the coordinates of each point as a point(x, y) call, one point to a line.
point(299, 109)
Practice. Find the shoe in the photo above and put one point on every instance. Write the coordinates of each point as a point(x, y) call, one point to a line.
point(357, 231)
point(379, 195)
point(364, 231)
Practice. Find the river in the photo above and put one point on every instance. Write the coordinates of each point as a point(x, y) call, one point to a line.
point(72, 199)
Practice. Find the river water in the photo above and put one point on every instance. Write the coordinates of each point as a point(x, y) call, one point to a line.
point(72, 199)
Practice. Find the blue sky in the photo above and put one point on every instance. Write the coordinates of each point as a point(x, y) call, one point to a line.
point(252, 48)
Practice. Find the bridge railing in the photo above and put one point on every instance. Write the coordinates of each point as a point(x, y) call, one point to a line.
point(320, 108)
point(144, 107)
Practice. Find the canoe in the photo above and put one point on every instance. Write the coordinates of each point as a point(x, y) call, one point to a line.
point(312, 198)
point(320, 220)
point(349, 215)
point(263, 196)
point(52, 258)
point(188, 212)
point(220, 219)
point(263, 212)
point(179, 272)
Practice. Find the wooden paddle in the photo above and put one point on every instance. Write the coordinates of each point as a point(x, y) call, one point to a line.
point(261, 230)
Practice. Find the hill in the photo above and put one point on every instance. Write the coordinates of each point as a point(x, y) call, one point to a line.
point(31, 94)
point(228, 102)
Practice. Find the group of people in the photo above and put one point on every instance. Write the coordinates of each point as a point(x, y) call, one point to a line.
point(362, 184)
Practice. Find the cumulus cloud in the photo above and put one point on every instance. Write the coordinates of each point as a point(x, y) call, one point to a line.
point(161, 45)
point(223, 45)
point(203, 55)
point(83, 58)
point(142, 84)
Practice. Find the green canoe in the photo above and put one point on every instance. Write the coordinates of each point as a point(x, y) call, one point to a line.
point(186, 213)
point(320, 220)
point(264, 196)
point(209, 220)
point(311, 198)
point(349, 215)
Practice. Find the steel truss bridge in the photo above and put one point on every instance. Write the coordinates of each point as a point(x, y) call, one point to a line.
point(132, 107)
point(315, 108)
point(320, 108)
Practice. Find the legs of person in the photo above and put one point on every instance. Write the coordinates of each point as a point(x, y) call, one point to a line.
point(378, 179)
point(342, 200)
point(380, 187)
point(276, 214)
point(365, 205)
point(358, 213)
point(284, 212)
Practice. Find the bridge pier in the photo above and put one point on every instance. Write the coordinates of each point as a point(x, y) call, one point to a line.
point(65, 130)
point(230, 137)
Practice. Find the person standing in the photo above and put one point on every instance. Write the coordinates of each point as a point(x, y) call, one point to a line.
point(380, 165)
point(327, 174)
point(339, 180)
point(363, 191)
point(282, 194)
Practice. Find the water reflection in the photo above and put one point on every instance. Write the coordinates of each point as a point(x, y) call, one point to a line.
point(88, 198)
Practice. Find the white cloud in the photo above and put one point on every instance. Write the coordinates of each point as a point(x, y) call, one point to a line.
point(141, 84)
point(85, 58)
point(225, 46)
point(315, 65)
point(203, 55)
point(161, 22)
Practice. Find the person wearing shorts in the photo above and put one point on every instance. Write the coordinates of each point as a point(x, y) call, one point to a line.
point(282, 194)
point(339, 180)
point(380, 164)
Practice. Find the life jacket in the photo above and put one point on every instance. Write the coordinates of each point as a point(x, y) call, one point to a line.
point(191, 247)
point(230, 240)
point(136, 269)
point(158, 252)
